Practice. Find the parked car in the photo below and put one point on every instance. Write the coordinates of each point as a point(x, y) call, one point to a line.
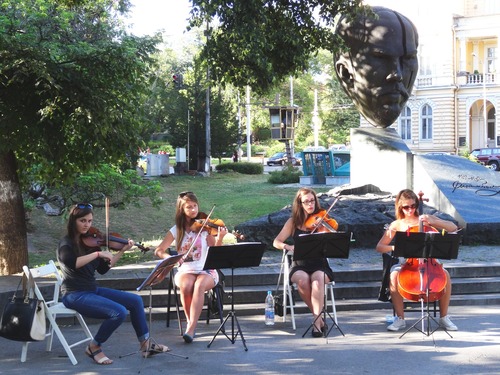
point(488, 156)
point(280, 159)
point(277, 159)
point(337, 146)
point(297, 159)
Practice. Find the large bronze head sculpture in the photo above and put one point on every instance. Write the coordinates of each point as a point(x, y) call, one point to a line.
point(379, 69)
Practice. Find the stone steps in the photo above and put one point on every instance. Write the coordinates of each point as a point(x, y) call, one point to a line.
point(475, 284)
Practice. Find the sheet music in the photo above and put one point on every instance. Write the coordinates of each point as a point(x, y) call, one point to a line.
point(161, 270)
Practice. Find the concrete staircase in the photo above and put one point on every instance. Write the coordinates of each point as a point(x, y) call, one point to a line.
point(473, 284)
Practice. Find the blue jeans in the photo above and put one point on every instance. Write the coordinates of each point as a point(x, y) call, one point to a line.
point(110, 305)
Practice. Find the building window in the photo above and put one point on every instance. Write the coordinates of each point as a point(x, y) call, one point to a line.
point(424, 60)
point(405, 123)
point(426, 121)
point(491, 58)
point(491, 124)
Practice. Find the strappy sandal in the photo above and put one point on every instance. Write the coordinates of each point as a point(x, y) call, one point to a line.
point(102, 361)
point(155, 349)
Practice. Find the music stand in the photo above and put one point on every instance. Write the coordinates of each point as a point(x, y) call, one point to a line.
point(156, 276)
point(426, 245)
point(242, 254)
point(319, 246)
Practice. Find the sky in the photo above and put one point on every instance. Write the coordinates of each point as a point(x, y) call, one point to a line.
point(149, 16)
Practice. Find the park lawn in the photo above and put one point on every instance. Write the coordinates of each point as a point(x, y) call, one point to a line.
point(237, 199)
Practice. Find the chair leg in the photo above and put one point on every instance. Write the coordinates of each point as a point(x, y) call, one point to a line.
point(220, 304)
point(287, 290)
point(289, 295)
point(209, 310)
point(50, 337)
point(178, 307)
point(173, 288)
point(332, 300)
point(24, 351)
point(62, 339)
point(169, 294)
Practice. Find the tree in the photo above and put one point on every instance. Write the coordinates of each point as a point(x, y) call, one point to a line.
point(71, 81)
point(169, 107)
point(262, 42)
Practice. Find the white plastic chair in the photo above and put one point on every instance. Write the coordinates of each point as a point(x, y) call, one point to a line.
point(53, 310)
point(288, 297)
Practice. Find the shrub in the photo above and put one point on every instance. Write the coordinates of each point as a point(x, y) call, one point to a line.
point(241, 167)
point(289, 175)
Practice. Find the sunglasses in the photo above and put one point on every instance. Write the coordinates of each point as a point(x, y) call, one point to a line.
point(83, 206)
point(413, 206)
point(184, 193)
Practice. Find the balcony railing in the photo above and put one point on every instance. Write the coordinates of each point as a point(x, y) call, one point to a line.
point(462, 79)
point(479, 79)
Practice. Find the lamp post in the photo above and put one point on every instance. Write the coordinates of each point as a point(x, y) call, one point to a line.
point(485, 113)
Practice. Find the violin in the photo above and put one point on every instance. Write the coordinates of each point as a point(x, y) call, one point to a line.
point(95, 238)
point(211, 225)
point(422, 278)
point(321, 222)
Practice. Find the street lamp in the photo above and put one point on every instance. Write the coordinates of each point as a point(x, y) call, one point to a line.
point(485, 113)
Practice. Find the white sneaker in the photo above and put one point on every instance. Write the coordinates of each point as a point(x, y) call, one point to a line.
point(447, 324)
point(397, 324)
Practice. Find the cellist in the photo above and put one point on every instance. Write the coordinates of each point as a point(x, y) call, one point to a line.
point(407, 216)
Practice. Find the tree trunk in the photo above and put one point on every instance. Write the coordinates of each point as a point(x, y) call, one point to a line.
point(13, 236)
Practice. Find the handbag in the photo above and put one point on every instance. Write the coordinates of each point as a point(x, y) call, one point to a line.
point(388, 260)
point(23, 318)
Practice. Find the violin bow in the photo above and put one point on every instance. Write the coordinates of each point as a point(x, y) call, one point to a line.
point(199, 232)
point(106, 210)
point(326, 214)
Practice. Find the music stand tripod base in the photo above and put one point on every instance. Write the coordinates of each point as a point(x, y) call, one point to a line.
point(156, 276)
point(242, 254)
point(323, 245)
point(425, 317)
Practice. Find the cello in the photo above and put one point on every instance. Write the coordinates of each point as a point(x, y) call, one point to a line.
point(422, 279)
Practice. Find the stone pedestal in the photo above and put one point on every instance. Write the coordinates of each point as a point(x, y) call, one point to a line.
point(381, 158)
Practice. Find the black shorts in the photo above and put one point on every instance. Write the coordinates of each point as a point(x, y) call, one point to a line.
point(310, 266)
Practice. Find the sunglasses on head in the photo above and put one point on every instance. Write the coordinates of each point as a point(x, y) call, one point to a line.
point(83, 206)
point(184, 193)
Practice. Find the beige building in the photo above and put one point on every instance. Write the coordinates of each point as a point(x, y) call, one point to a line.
point(456, 93)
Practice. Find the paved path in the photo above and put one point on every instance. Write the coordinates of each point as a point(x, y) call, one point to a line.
point(367, 348)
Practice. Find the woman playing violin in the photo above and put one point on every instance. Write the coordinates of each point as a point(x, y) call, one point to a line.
point(407, 216)
point(191, 279)
point(309, 275)
point(80, 291)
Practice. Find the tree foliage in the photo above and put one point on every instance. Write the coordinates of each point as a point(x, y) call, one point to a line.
point(71, 83)
point(172, 107)
point(261, 42)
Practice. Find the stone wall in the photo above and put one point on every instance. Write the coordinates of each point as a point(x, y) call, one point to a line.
point(364, 211)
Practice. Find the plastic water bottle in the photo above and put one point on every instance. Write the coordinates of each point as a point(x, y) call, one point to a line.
point(269, 312)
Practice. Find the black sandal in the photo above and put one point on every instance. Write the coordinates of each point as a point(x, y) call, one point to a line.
point(103, 361)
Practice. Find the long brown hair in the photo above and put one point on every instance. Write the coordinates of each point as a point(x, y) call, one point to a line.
point(405, 194)
point(180, 219)
point(77, 211)
point(299, 215)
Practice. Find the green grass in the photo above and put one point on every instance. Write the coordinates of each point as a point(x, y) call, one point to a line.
point(237, 199)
